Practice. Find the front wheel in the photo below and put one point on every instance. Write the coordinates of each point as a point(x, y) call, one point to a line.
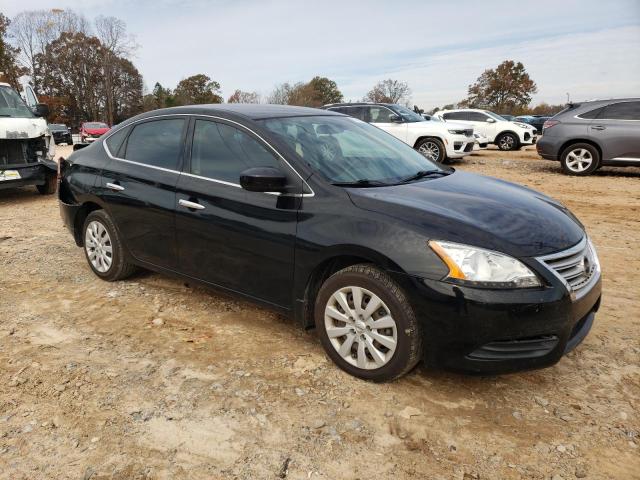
point(366, 324)
point(507, 142)
point(433, 149)
point(50, 185)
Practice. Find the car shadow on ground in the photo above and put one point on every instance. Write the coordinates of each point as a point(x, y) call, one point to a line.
point(25, 194)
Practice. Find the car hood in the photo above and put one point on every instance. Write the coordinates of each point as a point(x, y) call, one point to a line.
point(477, 210)
point(16, 128)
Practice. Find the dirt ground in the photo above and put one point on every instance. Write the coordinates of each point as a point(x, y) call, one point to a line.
point(151, 378)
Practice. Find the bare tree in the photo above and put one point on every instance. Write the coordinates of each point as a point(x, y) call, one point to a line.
point(280, 94)
point(35, 29)
point(389, 91)
point(117, 43)
point(240, 96)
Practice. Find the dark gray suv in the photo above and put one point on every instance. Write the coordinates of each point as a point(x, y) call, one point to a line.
point(585, 136)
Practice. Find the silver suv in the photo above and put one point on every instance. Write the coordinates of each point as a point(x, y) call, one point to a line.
point(585, 136)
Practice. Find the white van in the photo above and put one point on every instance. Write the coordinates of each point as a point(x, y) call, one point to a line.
point(26, 145)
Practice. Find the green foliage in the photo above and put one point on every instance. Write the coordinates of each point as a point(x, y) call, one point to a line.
point(317, 92)
point(197, 89)
point(10, 71)
point(505, 89)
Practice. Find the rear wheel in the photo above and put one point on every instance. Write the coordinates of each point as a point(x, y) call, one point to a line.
point(103, 248)
point(433, 149)
point(366, 324)
point(50, 185)
point(507, 141)
point(580, 159)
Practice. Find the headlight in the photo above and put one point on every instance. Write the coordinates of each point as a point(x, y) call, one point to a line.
point(456, 132)
point(523, 125)
point(478, 267)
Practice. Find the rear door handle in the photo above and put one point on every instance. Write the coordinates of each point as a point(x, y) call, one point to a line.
point(115, 187)
point(188, 204)
point(599, 127)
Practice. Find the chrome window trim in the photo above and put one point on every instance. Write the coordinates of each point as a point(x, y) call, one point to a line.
point(223, 182)
point(611, 119)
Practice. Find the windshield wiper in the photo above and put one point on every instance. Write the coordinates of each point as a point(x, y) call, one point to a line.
point(422, 174)
point(361, 183)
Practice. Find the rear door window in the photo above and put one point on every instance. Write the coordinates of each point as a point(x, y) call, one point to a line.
point(157, 143)
point(622, 111)
point(223, 152)
point(380, 115)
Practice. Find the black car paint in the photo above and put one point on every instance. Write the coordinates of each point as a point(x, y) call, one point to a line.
point(276, 248)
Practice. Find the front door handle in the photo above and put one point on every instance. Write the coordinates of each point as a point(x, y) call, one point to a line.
point(115, 187)
point(188, 204)
point(599, 127)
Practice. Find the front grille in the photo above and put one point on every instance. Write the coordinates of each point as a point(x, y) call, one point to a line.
point(21, 151)
point(532, 347)
point(575, 266)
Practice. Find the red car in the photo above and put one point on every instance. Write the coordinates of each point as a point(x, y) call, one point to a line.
point(91, 131)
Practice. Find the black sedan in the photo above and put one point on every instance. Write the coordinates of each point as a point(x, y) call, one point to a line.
point(338, 224)
point(60, 133)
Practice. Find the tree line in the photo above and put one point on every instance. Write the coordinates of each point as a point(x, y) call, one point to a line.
point(84, 71)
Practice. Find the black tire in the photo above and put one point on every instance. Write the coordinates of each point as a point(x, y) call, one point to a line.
point(507, 142)
point(570, 164)
point(432, 145)
point(50, 186)
point(119, 268)
point(408, 350)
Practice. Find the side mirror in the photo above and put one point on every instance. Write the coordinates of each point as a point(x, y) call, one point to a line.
point(263, 179)
point(41, 110)
point(395, 118)
point(490, 120)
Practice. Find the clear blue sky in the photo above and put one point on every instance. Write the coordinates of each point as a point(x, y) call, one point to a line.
point(589, 48)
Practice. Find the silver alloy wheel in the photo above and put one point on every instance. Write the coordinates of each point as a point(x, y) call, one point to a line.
point(97, 244)
point(431, 150)
point(506, 142)
point(360, 327)
point(579, 160)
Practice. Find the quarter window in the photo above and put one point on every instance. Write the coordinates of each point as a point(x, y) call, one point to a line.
point(156, 143)
point(114, 142)
point(622, 111)
point(222, 152)
point(592, 113)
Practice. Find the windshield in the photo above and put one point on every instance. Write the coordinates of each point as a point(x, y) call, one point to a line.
point(11, 105)
point(344, 149)
point(57, 126)
point(408, 115)
point(495, 116)
point(95, 125)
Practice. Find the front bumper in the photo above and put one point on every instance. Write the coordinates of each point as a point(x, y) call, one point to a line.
point(27, 175)
point(459, 145)
point(494, 332)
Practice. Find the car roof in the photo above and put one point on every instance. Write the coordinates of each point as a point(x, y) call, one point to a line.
point(250, 111)
point(357, 104)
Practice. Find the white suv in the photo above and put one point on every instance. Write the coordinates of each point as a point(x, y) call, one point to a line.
point(499, 131)
point(435, 140)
